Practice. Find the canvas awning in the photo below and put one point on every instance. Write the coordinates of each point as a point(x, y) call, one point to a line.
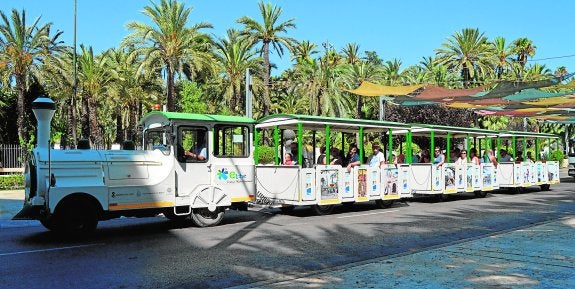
point(371, 89)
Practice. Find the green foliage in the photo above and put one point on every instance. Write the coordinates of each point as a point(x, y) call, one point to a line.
point(11, 182)
point(557, 155)
point(191, 98)
point(266, 154)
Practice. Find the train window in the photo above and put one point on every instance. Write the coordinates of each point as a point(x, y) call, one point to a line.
point(192, 144)
point(156, 139)
point(231, 141)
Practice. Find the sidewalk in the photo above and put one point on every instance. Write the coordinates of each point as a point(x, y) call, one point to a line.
point(542, 256)
point(11, 203)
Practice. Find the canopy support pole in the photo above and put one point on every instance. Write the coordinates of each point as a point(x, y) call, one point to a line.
point(432, 150)
point(448, 149)
point(390, 145)
point(409, 154)
point(256, 147)
point(468, 147)
point(498, 149)
point(300, 144)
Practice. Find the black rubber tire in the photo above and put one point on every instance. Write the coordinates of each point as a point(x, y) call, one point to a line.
point(348, 205)
point(545, 187)
point(321, 210)
point(73, 217)
point(384, 204)
point(287, 209)
point(481, 194)
point(202, 217)
point(169, 214)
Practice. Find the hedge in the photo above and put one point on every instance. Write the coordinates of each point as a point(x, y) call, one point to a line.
point(11, 182)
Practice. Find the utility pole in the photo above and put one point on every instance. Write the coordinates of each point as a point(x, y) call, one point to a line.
point(248, 94)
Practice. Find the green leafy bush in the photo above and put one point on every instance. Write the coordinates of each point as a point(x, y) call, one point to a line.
point(11, 182)
point(266, 155)
point(557, 156)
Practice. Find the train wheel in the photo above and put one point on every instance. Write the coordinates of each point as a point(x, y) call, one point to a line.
point(481, 194)
point(73, 217)
point(384, 204)
point(545, 187)
point(321, 210)
point(203, 217)
point(287, 209)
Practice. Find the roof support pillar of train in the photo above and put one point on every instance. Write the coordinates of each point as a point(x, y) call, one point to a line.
point(409, 148)
point(536, 149)
point(468, 147)
point(327, 145)
point(499, 149)
point(313, 139)
point(361, 152)
point(256, 147)
point(448, 148)
point(390, 145)
point(524, 148)
point(276, 145)
point(514, 146)
point(300, 144)
point(432, 150)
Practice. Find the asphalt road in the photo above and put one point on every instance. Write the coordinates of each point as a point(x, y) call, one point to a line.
point(261, 247)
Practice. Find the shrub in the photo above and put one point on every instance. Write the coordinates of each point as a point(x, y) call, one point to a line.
point(557, 156)
point(266, 155)
point(11, 182)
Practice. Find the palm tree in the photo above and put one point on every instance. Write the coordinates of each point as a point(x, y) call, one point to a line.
point(23, 48)
point(351, 53)
point(129, 91)
point(354, 75)
point(523, 48)
point(467, 52)
point(268, 32)
point(235, 54)
point(502, 53)
point(170, 43)
point(93, 80)
point(304, 51)
point(391, 71)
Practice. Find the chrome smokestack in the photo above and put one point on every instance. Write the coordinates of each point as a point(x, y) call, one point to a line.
point(43, 109)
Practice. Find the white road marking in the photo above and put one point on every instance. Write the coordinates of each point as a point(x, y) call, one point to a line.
point(50, 249)
point(367, 214)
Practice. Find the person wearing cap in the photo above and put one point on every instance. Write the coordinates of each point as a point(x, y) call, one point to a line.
point(439, 157)
point(377, 158)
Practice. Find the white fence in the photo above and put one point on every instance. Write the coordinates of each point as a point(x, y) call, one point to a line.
point(11, 156)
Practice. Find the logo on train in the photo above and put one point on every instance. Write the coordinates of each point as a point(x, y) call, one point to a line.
point(227, 175)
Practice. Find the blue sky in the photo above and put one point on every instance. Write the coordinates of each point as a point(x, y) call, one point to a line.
point(407, 30)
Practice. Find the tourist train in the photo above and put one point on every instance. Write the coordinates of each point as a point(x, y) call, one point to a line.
point(196, 166)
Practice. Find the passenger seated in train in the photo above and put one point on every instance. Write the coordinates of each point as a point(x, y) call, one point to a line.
point(504, 156)
point(352, 157)
point(490, 157)
point(377, 159)
point(321, 158)
point(288, 159)
point(462, 159)
point(439, 157)
point(519, 157)
point(530, 157)
point(455, 153)
point(335, 158)
point(307, 161)
point(473, 156)
point(425, 157)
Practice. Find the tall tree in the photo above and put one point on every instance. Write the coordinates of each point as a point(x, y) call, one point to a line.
point(269, 33)
point(523, 48)
point(93, 80)
point(235, 55)
point(502, 53)
point(23, 48)
point(467, 52)
point(351, 53)
point(169, 42)
point(304, 51)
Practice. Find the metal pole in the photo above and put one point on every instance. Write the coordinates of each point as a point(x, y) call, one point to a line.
point(256, 147)
point(448, 149)
point(327, 145)
point(300, 145)
point(390, 144)
point(361, 145)
point(276, 145)
point(381, 108)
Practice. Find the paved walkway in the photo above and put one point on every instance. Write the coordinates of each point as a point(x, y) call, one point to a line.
point(542, 256)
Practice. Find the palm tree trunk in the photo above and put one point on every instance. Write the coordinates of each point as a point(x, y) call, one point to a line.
point(318, 102)
point(359, 112)
point(233, 97)
point(267, 75)
point(85, 118)
point(21, 108)
point(132, 121)
point(119, 130)
point(95, 133)
point(170, 82)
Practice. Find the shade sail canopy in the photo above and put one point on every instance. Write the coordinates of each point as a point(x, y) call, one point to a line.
point(371, 89)
point(511, 98)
